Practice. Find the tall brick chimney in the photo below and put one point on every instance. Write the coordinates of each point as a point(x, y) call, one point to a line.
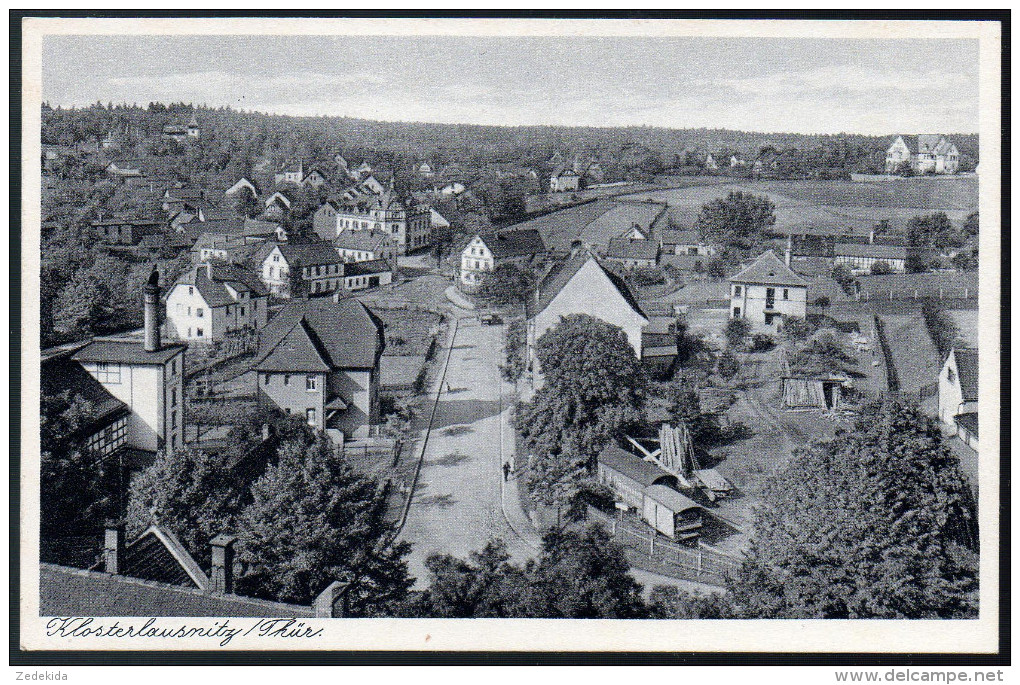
point(222, 574)
point(113, 547)
point(152, 341)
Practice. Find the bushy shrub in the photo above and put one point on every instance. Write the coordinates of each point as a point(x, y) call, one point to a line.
point(737, 330)
point(761, 342)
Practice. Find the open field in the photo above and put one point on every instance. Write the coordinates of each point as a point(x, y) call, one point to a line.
point(820, 206)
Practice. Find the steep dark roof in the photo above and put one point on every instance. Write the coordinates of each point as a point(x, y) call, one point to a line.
point(507, 244)
point(563, 272)
point(61, 373)
point(968, 421)
point(769, 269)
point(158, 555)
point(967, 370)
point(214, 290)
point(311, 254)
point(344, 334)
point(672, 236)
point(67, 591)
point(643, 472)
point(299, 350)
point(127, 352)
point(670, 498)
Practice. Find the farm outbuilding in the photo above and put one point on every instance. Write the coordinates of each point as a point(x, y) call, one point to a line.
point(671, 513)
point(812, 393)
point(628, 475)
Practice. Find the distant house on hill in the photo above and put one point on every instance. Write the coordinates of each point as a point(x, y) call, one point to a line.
point(485, 251)
point(686, 242)
point(766, 290)
point(315, 178)
point(192, 129)
point(425, 170)
point(319, 359)
point(242, 184)
point(290, 173)
point(581, 285)
point(710, 162)
point(124, 231)
point(926, 153)
point(564, 180)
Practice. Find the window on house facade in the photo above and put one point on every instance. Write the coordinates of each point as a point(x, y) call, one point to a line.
point(199, 332)
point(950, 376)
point(173, 397)
point(242, 311)
point(286, 379)
point(311, 383)
point(265, 379)
point(786, 293)
point(173, 420)
point(108, 372)
point(276, 257)
point(191, 290)
point(736, 291)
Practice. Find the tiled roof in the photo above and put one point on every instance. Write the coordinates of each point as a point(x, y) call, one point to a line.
point(967, 370)
point(61, 373)
point(672, 236)
point(311, 254)
point(870, 250)
point(626, 248)
point(769, 269)
point(66, 591)
point(369, 241)
point(367, 267)
point(299, 350)
point(214, 290)
point(127, 352)
point(643, 472)
point(346, 334)
point(506, 244)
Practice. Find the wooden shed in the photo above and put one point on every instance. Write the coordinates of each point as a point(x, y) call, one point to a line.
point(671, 513)
point(812, 393)
point(628, 475)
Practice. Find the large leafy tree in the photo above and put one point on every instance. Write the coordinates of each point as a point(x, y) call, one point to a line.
point(507, 284)
point(75, 485)
point(739, 218)
point(593, 387)
point(877, 523)
point(579, 574)
point(189, 492)
point(313, 520)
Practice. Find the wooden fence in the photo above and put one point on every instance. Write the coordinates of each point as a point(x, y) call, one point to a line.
point(690, 563)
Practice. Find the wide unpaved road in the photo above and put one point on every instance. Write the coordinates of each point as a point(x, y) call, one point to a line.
point(456, 507)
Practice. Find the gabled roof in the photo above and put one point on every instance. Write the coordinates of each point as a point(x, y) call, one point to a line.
point(629, 248)
point(562, 273)
point(298, 351)
point(214, 290)
point(344, 334)
point(310, 254)
point(158, 555)
point(645, 473)
point(969, 421)
point(769, 269)
point(506, 244)
point(967, 371)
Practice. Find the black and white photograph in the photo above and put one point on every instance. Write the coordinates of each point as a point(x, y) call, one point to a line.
point(688, 325)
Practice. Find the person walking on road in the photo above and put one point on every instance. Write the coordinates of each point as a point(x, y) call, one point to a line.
point(506, 471)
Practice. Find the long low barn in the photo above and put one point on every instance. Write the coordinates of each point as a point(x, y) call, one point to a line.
point(650, 491)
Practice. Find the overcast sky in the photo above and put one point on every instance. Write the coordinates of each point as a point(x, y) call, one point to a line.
point(771, 85)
